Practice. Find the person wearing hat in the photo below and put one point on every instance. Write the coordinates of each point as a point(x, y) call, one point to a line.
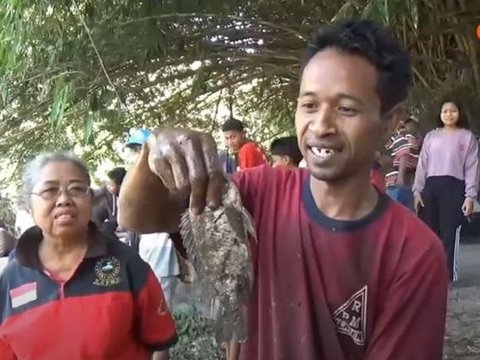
point(135, 141)
point(285, 152)
point(247, 152)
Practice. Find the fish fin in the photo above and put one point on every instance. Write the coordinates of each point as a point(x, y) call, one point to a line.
point(249, 223)
point(188, 239)
point(230, 325)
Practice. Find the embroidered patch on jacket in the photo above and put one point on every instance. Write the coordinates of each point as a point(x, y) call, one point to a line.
point(107, 271)
point(351, 317)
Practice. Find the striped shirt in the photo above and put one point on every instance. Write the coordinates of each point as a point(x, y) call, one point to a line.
point(401, 146)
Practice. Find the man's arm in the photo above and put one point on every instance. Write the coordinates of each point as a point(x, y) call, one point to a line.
point(422, 168)
point(411, 320)
point(402, 169)
point(145, 204)
point(176, 169)
point(471, 169)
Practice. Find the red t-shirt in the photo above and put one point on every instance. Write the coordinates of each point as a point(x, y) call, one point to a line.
point(251, 155)
point(370, 289)
point(377, 178)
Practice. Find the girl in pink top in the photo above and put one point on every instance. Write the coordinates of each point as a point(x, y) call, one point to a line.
point(446, 180)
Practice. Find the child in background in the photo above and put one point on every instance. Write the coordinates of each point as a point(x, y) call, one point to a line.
point(285, 153)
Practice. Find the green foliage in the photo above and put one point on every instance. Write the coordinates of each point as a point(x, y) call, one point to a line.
point(7, 214)
point(196, 338)
point(81, 73)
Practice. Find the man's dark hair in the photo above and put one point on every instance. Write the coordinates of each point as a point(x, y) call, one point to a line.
point(375, 44)
point(233, 125)
point(287, 146)
point(411, 120)
point(462, 122)
point(134, 147)
point(117, 175)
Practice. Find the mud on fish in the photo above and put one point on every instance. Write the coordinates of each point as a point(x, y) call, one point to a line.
point(217, 243)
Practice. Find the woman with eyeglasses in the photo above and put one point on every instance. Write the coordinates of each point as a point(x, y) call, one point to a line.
point(71, 292)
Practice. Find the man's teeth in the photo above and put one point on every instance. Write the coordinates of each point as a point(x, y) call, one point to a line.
point(322, 152)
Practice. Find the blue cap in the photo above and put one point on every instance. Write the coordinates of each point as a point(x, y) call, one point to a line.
point(138, 137)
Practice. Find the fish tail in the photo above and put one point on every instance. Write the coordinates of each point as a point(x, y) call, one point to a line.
point(231, 326)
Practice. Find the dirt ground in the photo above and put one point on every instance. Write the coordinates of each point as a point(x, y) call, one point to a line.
point(463, 324)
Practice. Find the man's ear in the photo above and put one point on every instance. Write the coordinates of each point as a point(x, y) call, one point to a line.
point(287, 159)
point(391, 120)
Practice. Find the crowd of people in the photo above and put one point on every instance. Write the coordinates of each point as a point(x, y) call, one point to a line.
point(343, 269)
point(436, 177)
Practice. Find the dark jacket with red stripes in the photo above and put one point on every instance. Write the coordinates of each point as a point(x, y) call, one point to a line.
point(111, 308)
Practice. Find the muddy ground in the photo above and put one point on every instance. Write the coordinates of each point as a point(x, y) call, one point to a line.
point(463, 324)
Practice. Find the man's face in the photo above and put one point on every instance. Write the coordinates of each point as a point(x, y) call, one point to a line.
point(112, 187)
point(234, 139)
point(338, 120)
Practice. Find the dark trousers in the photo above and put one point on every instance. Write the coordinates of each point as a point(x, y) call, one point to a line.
point(443, 197)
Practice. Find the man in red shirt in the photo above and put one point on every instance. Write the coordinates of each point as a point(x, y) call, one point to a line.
point(248, 153)
point(342, 272)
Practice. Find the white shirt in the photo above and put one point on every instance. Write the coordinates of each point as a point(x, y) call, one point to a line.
point(158, 251)
point(23, 221)
point(3, 263)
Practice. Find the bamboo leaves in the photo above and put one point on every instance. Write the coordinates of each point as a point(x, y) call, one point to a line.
point(51, 75)
point(62, 96)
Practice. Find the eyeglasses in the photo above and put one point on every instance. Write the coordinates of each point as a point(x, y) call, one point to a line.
point(72, 190)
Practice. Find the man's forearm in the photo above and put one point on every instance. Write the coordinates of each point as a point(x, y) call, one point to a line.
point(402, 171)
point(145, 205)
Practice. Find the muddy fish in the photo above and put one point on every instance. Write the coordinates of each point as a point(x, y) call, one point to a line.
point(217, 243)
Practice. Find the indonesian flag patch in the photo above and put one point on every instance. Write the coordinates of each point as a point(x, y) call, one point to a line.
point(23, 294)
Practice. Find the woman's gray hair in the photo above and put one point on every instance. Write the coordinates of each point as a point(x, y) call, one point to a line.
point(33, 168)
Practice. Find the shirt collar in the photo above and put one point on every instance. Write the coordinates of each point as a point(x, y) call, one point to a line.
point(26, 251)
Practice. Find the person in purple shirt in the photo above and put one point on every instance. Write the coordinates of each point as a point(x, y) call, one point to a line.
point(446, 180)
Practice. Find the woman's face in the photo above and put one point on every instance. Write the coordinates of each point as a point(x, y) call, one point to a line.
point(449, 114)
point(61, 200)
